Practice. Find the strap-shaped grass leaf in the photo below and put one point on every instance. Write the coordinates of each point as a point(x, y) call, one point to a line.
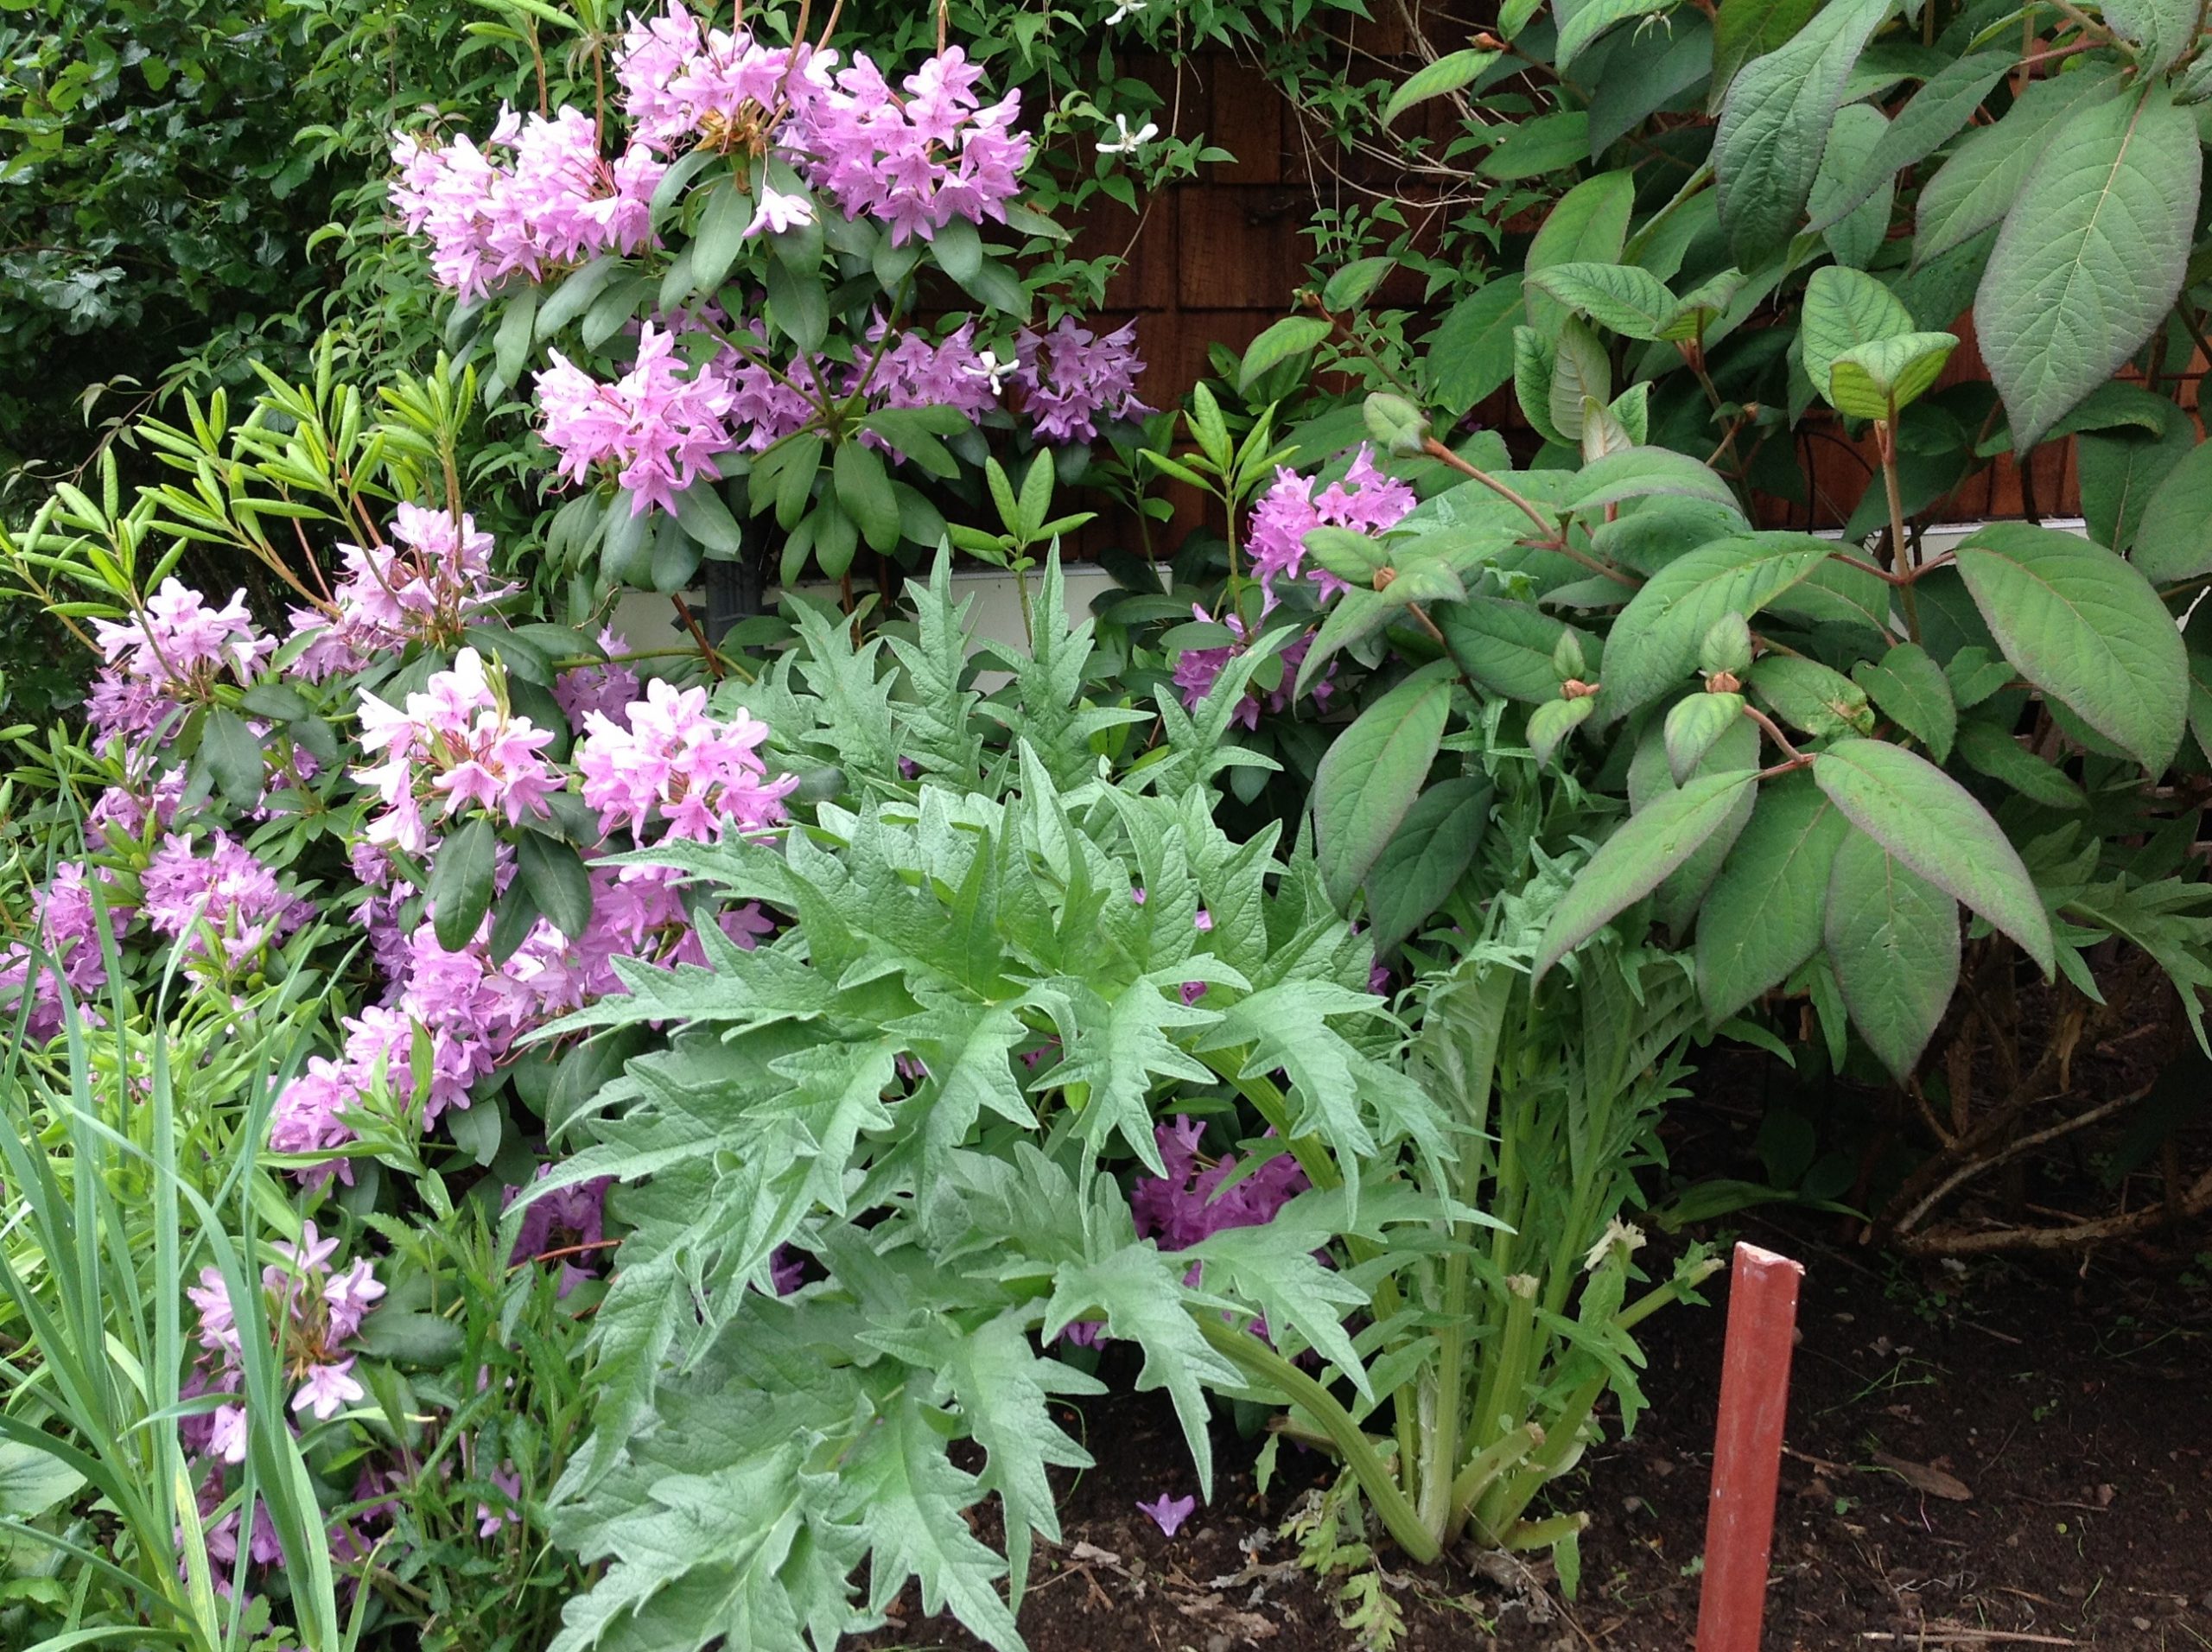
point(1371, 775)
point(1637, 857)
point(1618, 297)
point(2083, 625)
point(1590, 225)
point(2174, 540)
point(1845, 308)
point(2091, 255)
point(1432, 847)
point(1294, 335)
point(1655, 642)
point(1945, 102)
point(1893, 938)
point(1977, 185)
point(1873, 381)
point(1910, 689)
point(1774, 125)
point(1927, 820)
point(1761, 920)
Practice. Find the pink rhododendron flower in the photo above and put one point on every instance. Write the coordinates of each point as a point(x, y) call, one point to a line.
point(662, 428)
point(1072, 378)
point(676, 766)
point(1366, 501)
point(227, 891)
point(454, 740)
point(433, 580)
point(1196, 669)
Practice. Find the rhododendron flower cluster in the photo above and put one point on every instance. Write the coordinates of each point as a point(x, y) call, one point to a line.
point(1366, 501)
point(228, 894)
point(455, 741)
point(661, 428)
point(67, 924)
point(675, 766)
point(1196, 669)
point(537, 195)
point(426, 585)
point(1195, 1199)
point(1071, 377)
point(313, 1311)
point(171, 655)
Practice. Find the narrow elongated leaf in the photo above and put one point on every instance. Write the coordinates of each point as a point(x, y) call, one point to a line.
point(1775, 122)
point(1581, 371)
point(864, 490)
point(462, 880)
point(1655, 642)
point(1855, 235)
point(1371, 775)
point(2174, 540)
point(1592, 18)
point(1945, 102)
point(1432, 847)
point(1636, 858)
point(1910, 689)
point(557, 882)
point(233, 757)
point(1448, 74)
point(1928, 821)
point(1761, 920)
point(1291, 336)
point(2086, 627)
point(1893, 939)
point(1978, 184)
point(2091, 255)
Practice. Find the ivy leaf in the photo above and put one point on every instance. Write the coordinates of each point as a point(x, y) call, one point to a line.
point(1636, 858)
point(1655, 641)
point(462, 881)
point(1426, 856)
point(1911, 691)
point(2091, 255)
point(1761, 920)
point(2086, 627)
point(1893, 939)
point(1774, 125)
point(1930, 823)
point(1371, 774)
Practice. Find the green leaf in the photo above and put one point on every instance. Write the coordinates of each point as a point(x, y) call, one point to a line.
point(1352, 556)
point(2120, 473)
point(1592, 18)
point(555, 875)
point(798, 307)
point(1744, 29)
point(1618, 297)
point(1807, 695)
point(1911, 691)
point(1845, 308)
point(2091, 255)
point(574, 295)
point(1761, 920)
point(864, 490)
point(1693, 723)
point(510, 344)
point(722, 224)
point(1874, 381)
point(1589, 226)
point(958, 249)
point(1426, 857)
point(2174, 540)
point(1291, 336)
point(462, 881)
point(1471, 352)
point(1975, 673)
point(2164, 29)
point(1699, 306)
point(1938, 110)
point(33, 1481)
point(1774, 125)
point(2086, 627)
point(1449, 74)
point(1533, 358)
point(1988, 749)
point(1504, 646)
point(1371, 774)
point(1538, 144)
point(1855, 235)
point(1636, 858)
point(1354, 283)
point(700, 509)
point(1641, 473)
point(1580, 370)
point(1893, 939)
point(1655, 641)
point(1551, 722)
point(1978, 184)
point(232, 754)
point(1929, 821)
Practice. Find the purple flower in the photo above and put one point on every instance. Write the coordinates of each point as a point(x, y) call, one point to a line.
point(489, 1520)
point(676, 764)
point(328, 1389)
point(1073, 378)
point(1169, 1512)
point(1192, 1202)
point(1366, 500)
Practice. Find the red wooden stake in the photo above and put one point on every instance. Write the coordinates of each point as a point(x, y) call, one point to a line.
point(1747, 1448)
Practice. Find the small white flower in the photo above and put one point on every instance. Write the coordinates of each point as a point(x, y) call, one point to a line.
point(1127, 142)
point(1125, 10)
point(1626, 1235)
point(988, 366)
point(778, 212)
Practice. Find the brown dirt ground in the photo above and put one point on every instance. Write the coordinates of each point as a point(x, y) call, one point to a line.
point(2069, 1405)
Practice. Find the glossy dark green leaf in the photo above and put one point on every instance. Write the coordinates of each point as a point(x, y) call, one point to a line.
point(558, 881)
point(1428, 854)
point(461, 879)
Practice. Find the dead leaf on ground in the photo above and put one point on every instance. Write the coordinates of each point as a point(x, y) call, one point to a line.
point(1921, 1477)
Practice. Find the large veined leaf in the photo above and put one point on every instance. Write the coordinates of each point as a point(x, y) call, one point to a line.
point(1775, 122)
point(1744, 29)
point(1432, 847)
point(1590, 225)
point(1845, 308)
point(1855, 235)
point(1761, 920)
point(1977, 185)
point(1637, 857)
point(1294, 335)
point(1875, 381)
point(1582, 23)
point(1471, 352)
point(2091, 255)
point(1927, 820)
point(1651, 779)
point(1893, 939)
point(1910, 689)
point(1373, 772)
point(1581, 371)
point(2164, 29)
point(1618, 297)
point(2085, 627)
point(1504, 646)
point(2122, 470)
point(1945, 102)
point(2174, 539)
point(1452, 72)
point(1655, 642)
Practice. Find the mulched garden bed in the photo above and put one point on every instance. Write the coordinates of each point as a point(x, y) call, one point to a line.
point(2014, 1455)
